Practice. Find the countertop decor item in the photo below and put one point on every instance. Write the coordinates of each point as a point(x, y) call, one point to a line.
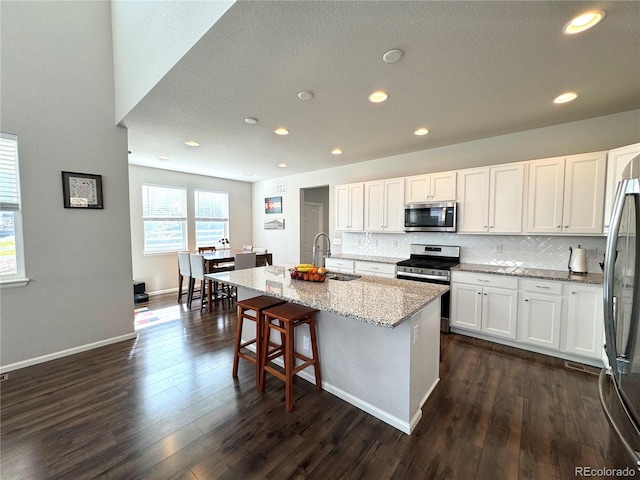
point(82, 190)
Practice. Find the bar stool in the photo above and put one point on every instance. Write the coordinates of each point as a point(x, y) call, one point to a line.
point(288, 316)
point(256, 305)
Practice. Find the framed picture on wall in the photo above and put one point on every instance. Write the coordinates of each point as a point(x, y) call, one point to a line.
point(82, 190)
point(273, 205)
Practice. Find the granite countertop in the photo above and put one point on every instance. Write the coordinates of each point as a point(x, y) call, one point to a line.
point(385, 302)
point(562, 275)
point(368, 258)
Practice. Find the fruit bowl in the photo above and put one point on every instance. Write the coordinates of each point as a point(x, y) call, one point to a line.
point(308, 274)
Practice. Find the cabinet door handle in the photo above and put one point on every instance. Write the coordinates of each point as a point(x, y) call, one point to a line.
point(559, 226)
point(566, 226)
point(573, 292)
point(479, 293)
point(490, 226)
point(486, 226)
point(484, 281)
point(526, 299)
point(542, 286)
point(485, 294)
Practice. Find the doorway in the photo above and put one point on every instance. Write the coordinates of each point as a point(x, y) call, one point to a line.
point(314, 219)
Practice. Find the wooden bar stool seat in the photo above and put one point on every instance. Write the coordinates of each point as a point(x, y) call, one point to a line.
point(284, 319)
point(251, 309)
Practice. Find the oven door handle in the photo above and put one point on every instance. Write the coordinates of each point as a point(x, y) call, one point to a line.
point(421, 276)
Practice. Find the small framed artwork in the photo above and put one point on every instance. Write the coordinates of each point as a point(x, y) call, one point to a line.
point(82, 190)
point(273, 205)
point(274, 224)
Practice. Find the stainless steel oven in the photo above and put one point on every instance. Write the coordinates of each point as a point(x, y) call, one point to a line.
point(432, 264)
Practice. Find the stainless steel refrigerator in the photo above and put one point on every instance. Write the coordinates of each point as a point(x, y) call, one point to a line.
point(619, 387)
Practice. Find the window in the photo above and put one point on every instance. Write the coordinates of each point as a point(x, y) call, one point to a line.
point(11, 245)
point(212, 217)
point(164, 213)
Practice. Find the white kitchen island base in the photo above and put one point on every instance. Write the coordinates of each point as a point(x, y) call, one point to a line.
point(387, 372)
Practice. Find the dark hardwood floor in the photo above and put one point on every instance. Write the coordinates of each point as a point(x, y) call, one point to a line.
point(165, 406)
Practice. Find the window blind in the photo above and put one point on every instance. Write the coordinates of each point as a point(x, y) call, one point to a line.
point(213, 206)
point(164, 203)
point(9, 175)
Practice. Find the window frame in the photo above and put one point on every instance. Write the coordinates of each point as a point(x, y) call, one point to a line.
point(196, 218)
point(19, 278)
point(179, 219)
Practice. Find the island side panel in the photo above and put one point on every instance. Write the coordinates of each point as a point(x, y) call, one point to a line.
point(425, 356)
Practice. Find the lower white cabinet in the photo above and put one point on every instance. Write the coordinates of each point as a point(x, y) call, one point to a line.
point(376, 269)
point(540, 317)
point(557, 316)
point(338, 265)
point(584, 320)
point(487, 303)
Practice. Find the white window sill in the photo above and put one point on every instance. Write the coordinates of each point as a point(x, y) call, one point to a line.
point(18, 282)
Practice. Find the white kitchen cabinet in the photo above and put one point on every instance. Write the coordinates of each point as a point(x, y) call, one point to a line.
point(540, 314)
point(338, 265)
point(617, 160)
point(584, 320)
point(387, 270)
point(434, 187)
point(490, 199)
point(566, 194)
point(384, 205)
point(486, 303)
point(349, 207)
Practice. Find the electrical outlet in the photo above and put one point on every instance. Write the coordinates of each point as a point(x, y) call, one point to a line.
point(497, 248)
point(395, 244)
point(305, 342)
point(337, 241)
point(592, 252)
point(416, 329)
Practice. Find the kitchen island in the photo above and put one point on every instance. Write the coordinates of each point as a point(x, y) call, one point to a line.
point(378, 338)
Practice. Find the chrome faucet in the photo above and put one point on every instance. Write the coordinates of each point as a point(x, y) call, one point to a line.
point(315, 246)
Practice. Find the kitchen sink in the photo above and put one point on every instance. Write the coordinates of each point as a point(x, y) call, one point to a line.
point(341, 277)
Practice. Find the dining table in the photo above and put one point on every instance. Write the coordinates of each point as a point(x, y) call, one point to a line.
point(216, 258)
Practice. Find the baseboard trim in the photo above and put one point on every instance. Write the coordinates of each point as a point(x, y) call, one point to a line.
point(65, 353)
point(160, 292)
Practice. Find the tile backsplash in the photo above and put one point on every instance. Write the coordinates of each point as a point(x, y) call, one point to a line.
point(529, 251)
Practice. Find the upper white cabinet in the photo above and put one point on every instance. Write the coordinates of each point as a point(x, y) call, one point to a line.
point(350, 207)
point(490, 199)
point(435, 187)
point(384, 205)
point(617, 160)
point(566, 194)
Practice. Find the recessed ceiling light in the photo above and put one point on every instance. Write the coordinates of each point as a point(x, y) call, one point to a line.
point(251, 120)
point(163, 157)
point(565, 97)
point(421, 131)
point(378, 96)
point(336, 151)
point(392, 56)
point(281, 131)
point(305, 95)
point(282, 165)
point(584, 22)
point(191, 143)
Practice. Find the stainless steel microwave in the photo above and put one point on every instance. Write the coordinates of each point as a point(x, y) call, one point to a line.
point(430, 217)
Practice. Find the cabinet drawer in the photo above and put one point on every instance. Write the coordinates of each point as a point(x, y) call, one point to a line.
point(332, 263)
point(373, 267)
point(541, 286)
point(470, 278)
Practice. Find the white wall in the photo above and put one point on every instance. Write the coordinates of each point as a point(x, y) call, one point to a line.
point(150, 37)
point(160, 271)
point(601, 133)
point(57, 97)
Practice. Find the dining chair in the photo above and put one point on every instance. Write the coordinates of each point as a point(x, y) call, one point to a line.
point(197, 273)
point(184, 271)
point(206, 249)
point(247, 248)
point(244, 260)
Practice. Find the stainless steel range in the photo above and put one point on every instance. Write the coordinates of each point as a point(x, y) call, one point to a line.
point(432, 264)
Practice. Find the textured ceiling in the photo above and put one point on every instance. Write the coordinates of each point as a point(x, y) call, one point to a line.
point(470, 70)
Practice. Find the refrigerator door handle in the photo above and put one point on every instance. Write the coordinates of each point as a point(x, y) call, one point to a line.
point(609, 264)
